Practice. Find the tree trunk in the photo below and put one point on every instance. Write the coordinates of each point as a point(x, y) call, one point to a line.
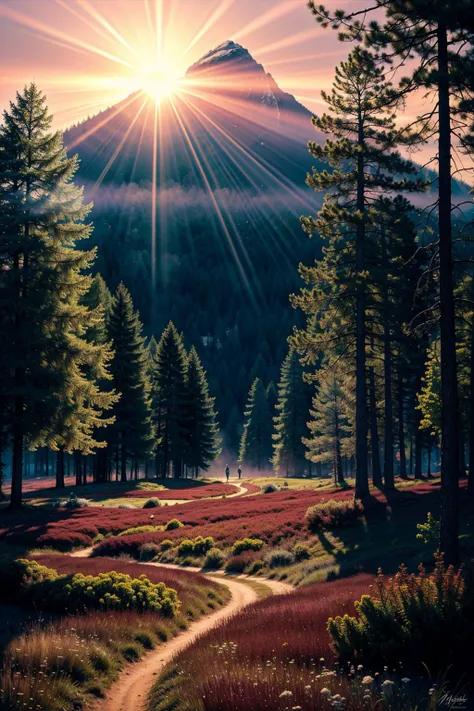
point(388, 472)
point(449, 529)
point(77, 467)
point(470, 483)
point(428, 467)
point(401, 433)
point(374, 434)
point(338, 472)
point(361, 474)
point(123, 460)
point(60, 468)
point(17, 458)
point(418, 453)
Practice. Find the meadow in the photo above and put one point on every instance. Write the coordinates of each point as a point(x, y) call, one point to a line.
point(279, 654)
point(62, 662)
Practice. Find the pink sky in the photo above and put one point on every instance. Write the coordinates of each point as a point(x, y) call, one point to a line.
point(88, 54)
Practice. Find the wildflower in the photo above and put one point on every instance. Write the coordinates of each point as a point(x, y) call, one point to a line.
point(360, 667)
point(405, 680)
point(367, 699)
point(326, 692)
point(387, 683)
point(285, 694)
point(368, 680)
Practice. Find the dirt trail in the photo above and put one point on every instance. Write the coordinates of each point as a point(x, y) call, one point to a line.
point(130, 692)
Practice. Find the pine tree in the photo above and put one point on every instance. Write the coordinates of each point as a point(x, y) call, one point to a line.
point(41, 217)
point(99, 299)
point(364, 161)
point(132, 432)
point(331, 426)
point(439, 35)
point(290, 423)
point(169, 402)
point(256, 442)
point(202, 432)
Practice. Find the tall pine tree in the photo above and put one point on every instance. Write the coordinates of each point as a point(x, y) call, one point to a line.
point(202, 431)
point(331, 424)
point(41, 217)
point(364, 161)
point(169, 394)
point(290, 423)
point(132, 432)
point(256, 442)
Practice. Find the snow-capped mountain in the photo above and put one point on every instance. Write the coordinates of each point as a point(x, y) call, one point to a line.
point(230, 112)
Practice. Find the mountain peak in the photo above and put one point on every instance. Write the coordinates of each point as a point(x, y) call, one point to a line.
point(227, 52)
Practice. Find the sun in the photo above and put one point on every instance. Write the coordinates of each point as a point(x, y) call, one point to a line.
point(159, 83)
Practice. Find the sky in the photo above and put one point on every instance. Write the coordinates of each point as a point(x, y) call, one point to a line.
point(89, 54)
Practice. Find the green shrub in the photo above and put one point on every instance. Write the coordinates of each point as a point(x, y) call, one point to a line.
point(140, 529)
point(149, 486)
point(255, 567)
point(185, 547)
point(428, 531)
point(279, 557)
point(301, 552)
point(423, 619)
point(116, 591)
point(270, 488)
point(16, 575)
point(333, 514)
point(173, 525)
point(214, 559)
point(152, 503)
point(247, 544)
point(166, 545)
point(148, 551)
point(197, 547)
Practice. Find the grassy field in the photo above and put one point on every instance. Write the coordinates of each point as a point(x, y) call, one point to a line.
point(61, 663)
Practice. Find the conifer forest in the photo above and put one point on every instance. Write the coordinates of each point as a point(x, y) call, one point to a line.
point(237, 280)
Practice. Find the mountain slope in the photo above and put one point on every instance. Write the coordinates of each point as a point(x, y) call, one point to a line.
point(216, 247)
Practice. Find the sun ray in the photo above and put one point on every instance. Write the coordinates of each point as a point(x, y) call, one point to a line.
point(105, 24)
point(298, 38)
point(250, 208)
point(275, 13)
point(49, 31)
point(102, 123)
point(215, 204)
point(216, 15)
point(159, 31)
point(111, 160)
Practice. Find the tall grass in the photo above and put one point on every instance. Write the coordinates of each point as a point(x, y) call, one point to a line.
point(280, 644)
point(60, 665)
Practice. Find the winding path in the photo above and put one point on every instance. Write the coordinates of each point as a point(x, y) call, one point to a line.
point(130, 691)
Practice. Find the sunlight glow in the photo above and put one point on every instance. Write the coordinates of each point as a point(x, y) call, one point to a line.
point(159, 83)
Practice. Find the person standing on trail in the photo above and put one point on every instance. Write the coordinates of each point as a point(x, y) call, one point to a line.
point(227, 472)
point(239, 472)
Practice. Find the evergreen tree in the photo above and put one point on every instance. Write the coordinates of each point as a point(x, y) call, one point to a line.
point(169, 402)
point(290, 423)
point(41, 218)
point(202, 432)
point(364, 163)
point(99, 299)
point(439, 35)
point(256, 442)
point(132, 432)
point(331, 425)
